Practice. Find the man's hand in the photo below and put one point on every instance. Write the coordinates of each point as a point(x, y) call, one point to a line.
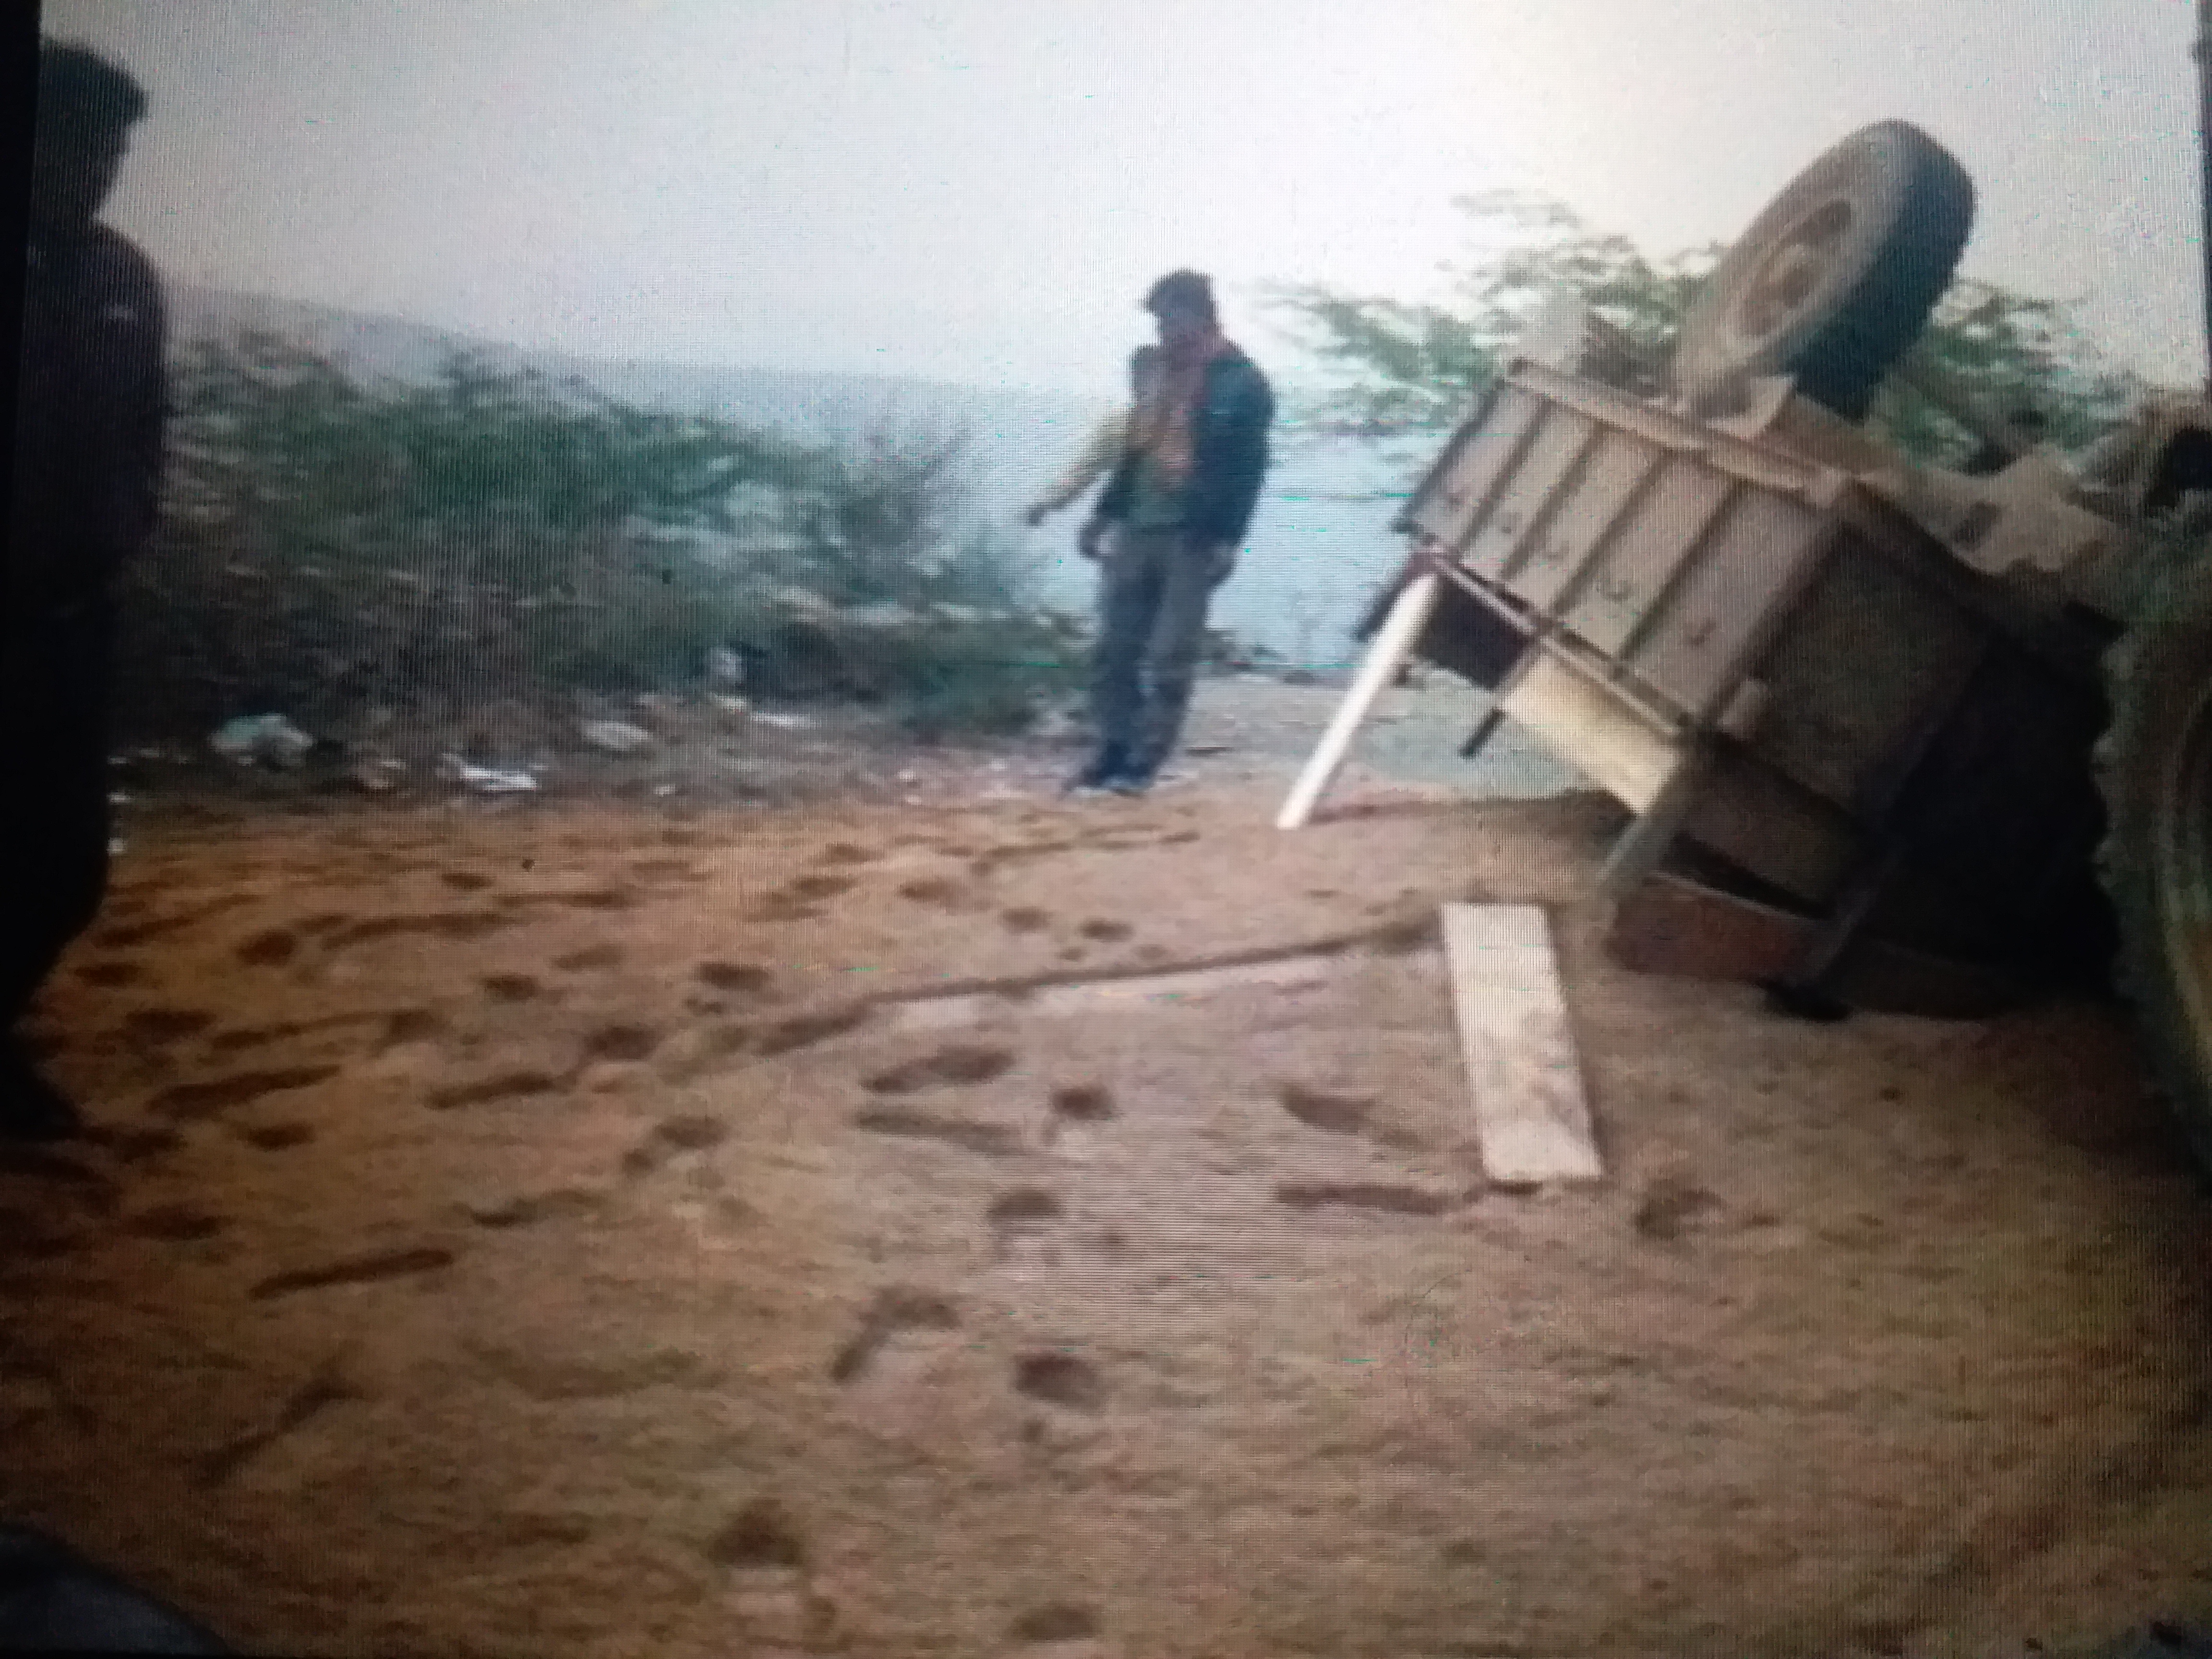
point(1221, 562)
point(1035, 515)
point(1090, 540)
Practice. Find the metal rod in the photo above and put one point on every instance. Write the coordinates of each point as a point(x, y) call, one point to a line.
point(1482, 734)
point(1393, 643)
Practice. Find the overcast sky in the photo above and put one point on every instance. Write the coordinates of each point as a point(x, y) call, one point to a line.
point(980, 190)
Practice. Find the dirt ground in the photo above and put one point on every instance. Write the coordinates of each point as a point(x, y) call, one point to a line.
point(579, 1225)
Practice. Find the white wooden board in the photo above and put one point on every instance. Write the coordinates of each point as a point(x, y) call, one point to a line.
point(1531, 1114)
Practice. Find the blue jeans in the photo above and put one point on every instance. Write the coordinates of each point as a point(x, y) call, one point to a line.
point(1154, 588)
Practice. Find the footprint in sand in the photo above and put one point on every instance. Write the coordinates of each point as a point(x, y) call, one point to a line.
point(1021, 1220)
point(764, 1559)
point(1065, 1380)
point(761, 1537)
point(621, 1043)
point(1375, 1196)
point(1318, 1109)
point(438, 924)
point(190, 1102)
point(734, 978)
point(593, 959)
point(520, 1083)
point(896, 1312)
point(328, 1387)
point(510, 987)
point(599, 898)
point(939, 893)
point(984, 1139)
point(174, 1224)
point(1023, 1207)
point(129, 1146)
point(956, 1065)
point(533, 1209)
point(144, 932)
point(156, 1028)
point(671, 1139)
point(276, 1137)
point(1082, 1103)
point(1054, 1625)
point(776, 1038)
point(1674, 1205)
point(1077, 1110)
point(356, 1270)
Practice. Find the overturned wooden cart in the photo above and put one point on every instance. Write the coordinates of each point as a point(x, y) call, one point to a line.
point(1857, 766)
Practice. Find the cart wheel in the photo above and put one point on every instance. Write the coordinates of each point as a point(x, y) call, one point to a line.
point(2154, 765)
point(1836, 278)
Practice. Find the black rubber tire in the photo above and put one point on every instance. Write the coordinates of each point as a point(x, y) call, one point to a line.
point(1836, 277)
point(2154, 766)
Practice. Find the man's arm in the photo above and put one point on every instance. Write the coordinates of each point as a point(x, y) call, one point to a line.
point(1101, 450)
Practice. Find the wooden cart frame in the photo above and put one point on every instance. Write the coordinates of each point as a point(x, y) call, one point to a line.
point(1858, 767)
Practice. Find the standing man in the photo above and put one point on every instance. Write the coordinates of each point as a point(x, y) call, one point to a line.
point(87, 479)
point(1167, 526)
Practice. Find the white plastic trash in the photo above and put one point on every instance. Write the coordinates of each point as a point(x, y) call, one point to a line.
point(616, 737)
point(487, 780)
point(261, 739)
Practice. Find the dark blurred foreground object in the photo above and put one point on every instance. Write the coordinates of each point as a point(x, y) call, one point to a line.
point(54, 1601)
point(86, 484)
point(2162, 1639)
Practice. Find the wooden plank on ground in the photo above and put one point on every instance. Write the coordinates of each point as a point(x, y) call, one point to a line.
point(1530, 1112)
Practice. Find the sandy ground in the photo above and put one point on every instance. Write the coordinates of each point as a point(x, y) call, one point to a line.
point(582, 1226)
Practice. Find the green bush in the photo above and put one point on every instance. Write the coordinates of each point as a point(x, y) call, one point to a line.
point(332, 545)
point(1401, 368)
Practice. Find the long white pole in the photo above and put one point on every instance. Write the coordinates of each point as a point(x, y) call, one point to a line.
point(1393, 643)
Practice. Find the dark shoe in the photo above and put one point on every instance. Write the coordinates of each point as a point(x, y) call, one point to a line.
point(1138, 780)
point(1110, 763)
point(32, 1108)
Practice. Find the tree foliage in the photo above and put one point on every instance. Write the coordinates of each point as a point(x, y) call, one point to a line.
point(1403, 368)
point(2016, 353)
point(333, 542)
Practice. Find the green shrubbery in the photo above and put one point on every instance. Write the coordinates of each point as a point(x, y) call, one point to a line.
point(332, 545)
point(1418, 369)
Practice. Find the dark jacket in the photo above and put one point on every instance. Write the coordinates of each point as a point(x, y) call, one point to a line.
point(1228, 450)
point(93, 406)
